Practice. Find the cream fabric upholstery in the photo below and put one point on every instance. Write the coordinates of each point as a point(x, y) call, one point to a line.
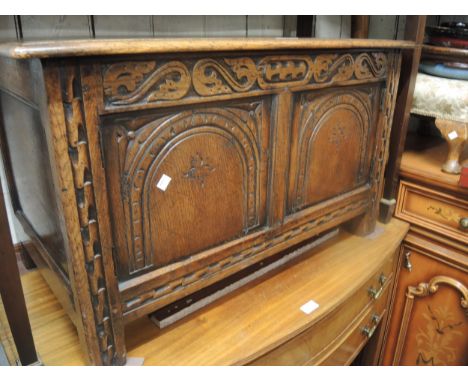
point(441, 98)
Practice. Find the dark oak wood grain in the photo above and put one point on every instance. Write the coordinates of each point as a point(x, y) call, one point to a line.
point(185, 162)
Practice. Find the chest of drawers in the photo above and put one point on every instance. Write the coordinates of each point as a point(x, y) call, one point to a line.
point(147, 170)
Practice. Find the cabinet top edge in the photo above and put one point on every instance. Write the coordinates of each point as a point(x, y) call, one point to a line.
point(109, 47)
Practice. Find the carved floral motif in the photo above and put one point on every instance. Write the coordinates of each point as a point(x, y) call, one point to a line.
point(338, 135)
point(199, 169)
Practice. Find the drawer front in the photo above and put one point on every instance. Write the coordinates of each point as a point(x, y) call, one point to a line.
point(436, 211)
point(352, 343)
point(321, 340)
point(185, 181)
point(333, 137)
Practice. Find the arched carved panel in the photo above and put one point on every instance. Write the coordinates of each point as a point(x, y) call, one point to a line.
point(331, 137)
point(199, 153)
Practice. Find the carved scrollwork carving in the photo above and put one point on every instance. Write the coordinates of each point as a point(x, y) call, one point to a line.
point(370, 65)
point(426, 289)
point(210, 77)
point(332, 67)
point(135, 82)
point(123, 78)
point(125, 83)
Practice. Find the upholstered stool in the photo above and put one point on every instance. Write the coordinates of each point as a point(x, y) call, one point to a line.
point(447, 101)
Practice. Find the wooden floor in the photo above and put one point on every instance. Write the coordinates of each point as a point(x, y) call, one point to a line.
point(8, 355)
point(236, 328)
point(54, 334)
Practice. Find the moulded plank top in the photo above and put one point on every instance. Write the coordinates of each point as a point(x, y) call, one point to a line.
point(107, 47)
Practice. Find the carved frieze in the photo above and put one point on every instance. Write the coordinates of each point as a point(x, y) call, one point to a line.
point(150, 82)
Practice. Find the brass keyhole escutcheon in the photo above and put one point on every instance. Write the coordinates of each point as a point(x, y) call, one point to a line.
point(408, 264)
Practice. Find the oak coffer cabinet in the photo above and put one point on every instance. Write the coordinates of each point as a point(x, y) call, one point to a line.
point(144, 171)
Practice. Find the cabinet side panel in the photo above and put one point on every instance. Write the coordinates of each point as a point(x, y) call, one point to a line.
point(30, 172)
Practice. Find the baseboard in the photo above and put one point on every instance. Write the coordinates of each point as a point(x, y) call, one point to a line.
point(23, 257)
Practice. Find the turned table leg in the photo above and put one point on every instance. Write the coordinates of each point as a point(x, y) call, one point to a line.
point(456, 134)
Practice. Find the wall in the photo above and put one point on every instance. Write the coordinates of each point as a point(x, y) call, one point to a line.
point(66, 27)
point(59, 27)
point(62, 27)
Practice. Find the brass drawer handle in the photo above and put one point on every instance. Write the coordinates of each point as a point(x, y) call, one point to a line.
point(375, 293)
point(369, 331)
point(463, 223)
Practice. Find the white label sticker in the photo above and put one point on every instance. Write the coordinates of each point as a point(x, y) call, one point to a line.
point(452, 135)
point(164, 182)
point(309, 307)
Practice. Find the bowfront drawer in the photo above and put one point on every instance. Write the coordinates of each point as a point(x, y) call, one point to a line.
point(436, 211)
point(329, 335)
point(351, 343)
